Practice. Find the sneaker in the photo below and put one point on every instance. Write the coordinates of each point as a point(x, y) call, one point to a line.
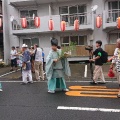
point(38, 80)
point(11, 70)
point(66, 90)
point(118, 95)
point(50, 91)
point(23, 83)
point(101, 82)
point(1, 90)
point(44, 73)
point(30, 82)
point(93, 83)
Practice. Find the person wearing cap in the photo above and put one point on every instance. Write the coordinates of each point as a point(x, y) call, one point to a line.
point(26, 66)
point(56, 69)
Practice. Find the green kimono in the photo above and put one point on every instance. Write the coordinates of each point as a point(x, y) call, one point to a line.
point(55, 71)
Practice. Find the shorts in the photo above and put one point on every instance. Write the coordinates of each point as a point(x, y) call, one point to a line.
point(14, 63)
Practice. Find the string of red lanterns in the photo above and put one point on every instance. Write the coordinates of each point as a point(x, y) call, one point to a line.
point(62, 24)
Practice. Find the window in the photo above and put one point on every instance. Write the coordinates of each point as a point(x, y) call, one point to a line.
point(82, 8)
point(70, 13)
point(113, 37)
point(114, 10)
point(78, 40)
point(73, 10)
point(74, 39)
point(82, 40)
point(65, 40)
point(28, 13)
point(63, 10)
point(31, 41)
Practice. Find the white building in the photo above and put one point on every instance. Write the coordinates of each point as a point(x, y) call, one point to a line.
point(68, 10)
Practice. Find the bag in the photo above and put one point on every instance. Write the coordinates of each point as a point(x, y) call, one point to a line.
point(104, 57)
point(111, 73)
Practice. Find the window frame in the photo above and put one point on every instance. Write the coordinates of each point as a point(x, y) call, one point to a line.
point(74, 15)
point(62, 44)
point(28, 12)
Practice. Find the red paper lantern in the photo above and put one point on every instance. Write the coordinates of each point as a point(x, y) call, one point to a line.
point(24, 22)
point(111, 73)
point(118, 22)
point(51, 24)
point(76, 24)
point(37, 22)
point(98, 22)
point(63, 25)
point(0, 22)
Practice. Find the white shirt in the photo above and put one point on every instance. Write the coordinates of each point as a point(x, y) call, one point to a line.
point(117, 59)
point(38, 56)
point(13, 52)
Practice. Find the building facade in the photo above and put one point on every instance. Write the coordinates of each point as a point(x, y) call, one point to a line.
point(58, 10)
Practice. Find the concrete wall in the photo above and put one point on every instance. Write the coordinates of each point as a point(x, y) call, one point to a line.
point(98, 33)
point(6, 31)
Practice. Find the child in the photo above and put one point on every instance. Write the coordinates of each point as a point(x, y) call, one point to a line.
point(98, 73)
point(56, 68)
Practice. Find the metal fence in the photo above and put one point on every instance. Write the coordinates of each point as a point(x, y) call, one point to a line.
point(112, 15)
point(84, 19)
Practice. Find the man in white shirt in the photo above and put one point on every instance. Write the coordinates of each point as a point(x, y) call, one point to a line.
point(38, 63)
point(13, 56)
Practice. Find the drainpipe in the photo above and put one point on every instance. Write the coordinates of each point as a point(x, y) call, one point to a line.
point(50, 10)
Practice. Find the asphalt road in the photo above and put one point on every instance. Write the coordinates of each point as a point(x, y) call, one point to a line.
point(32, 102)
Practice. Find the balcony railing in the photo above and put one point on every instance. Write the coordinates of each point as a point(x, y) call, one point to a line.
point(80, 51)
point(84, 19)
point(16, 24)
point(112, 15)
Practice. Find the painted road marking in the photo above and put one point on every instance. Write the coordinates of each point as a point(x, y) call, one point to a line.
point(92, 91)
point(8, 73)
point(89, 109)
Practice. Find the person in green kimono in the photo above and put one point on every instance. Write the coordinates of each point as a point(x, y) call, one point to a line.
point(56, 69)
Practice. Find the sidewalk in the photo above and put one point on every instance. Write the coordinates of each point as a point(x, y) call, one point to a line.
point(77, 71)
